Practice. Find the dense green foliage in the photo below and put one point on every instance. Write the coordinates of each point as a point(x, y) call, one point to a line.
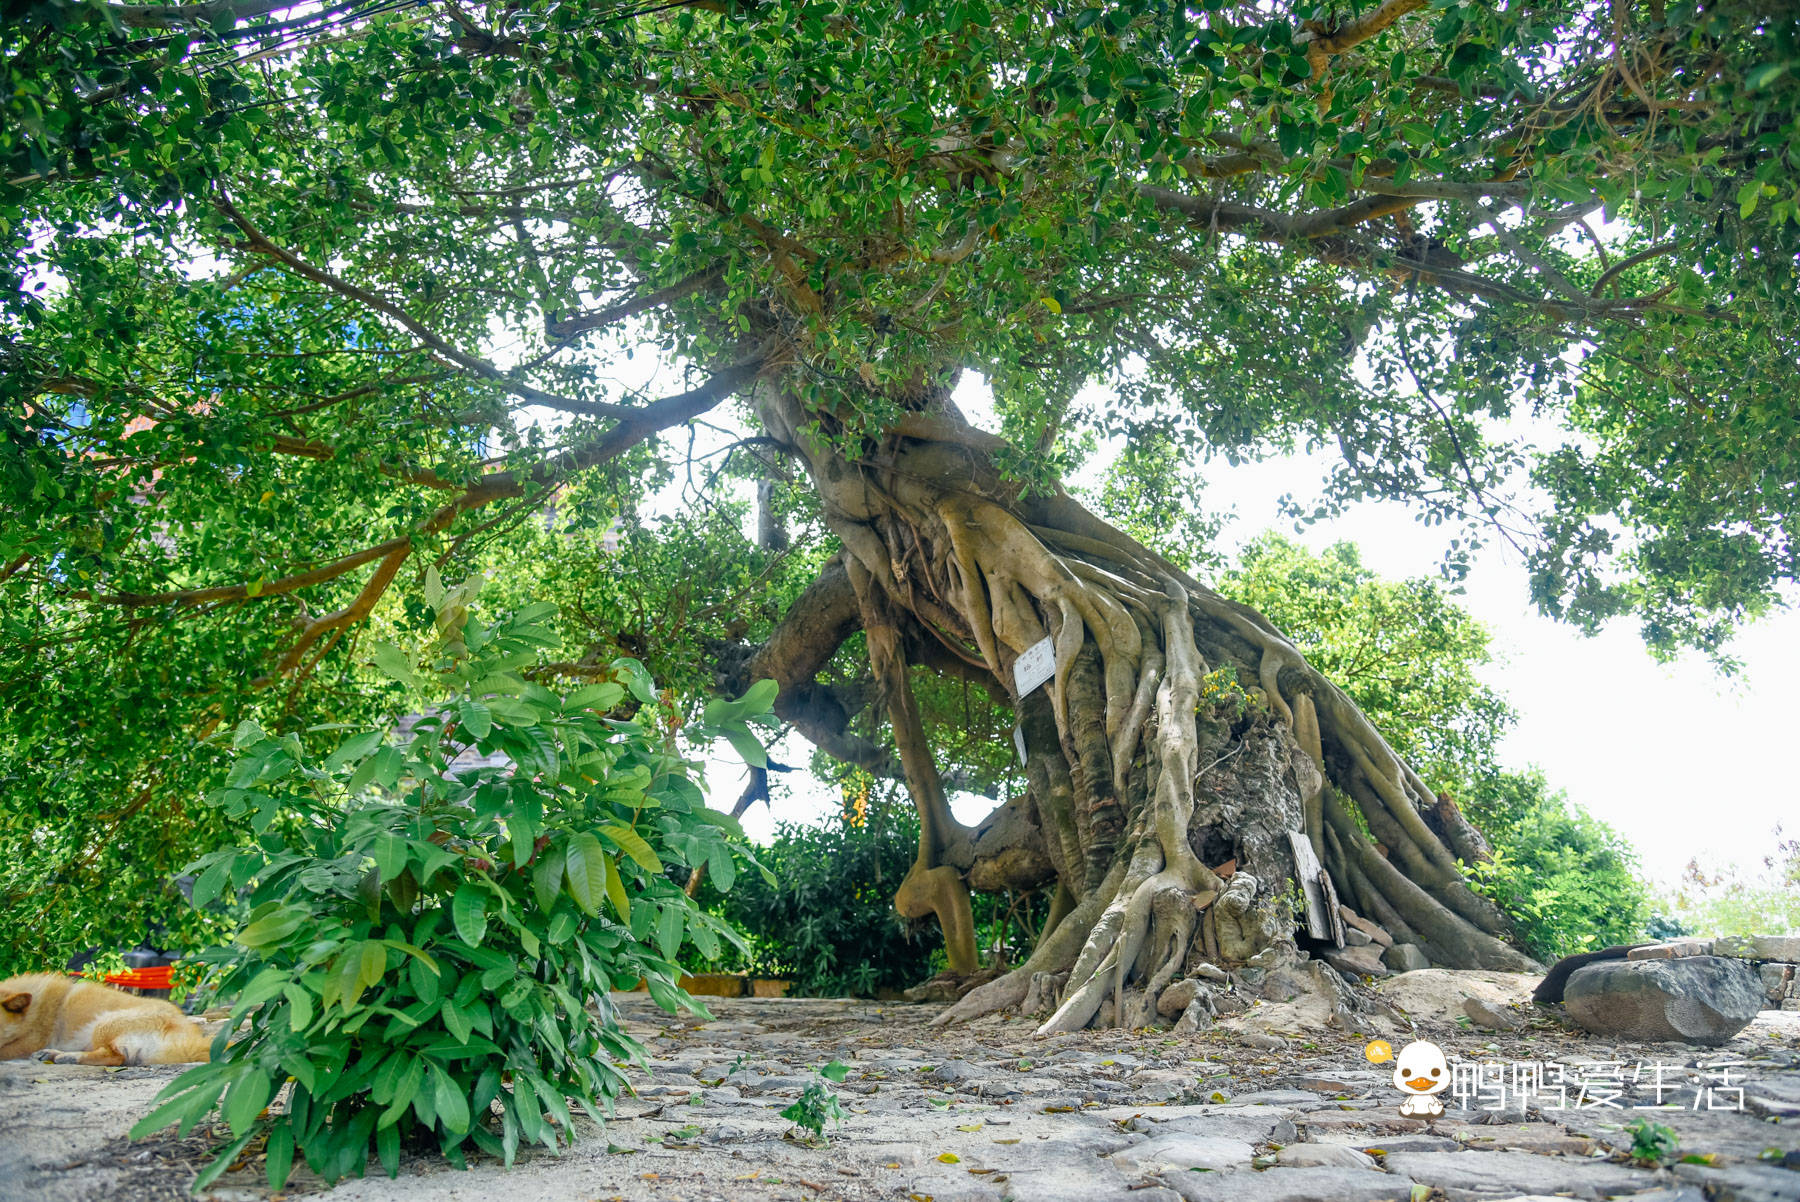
point(1403, 649)
point(433, 928)
point(1570, 881)
point(826, 920)
point(299, 303)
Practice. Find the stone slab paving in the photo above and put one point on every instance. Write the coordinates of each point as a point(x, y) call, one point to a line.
point(992, 1113)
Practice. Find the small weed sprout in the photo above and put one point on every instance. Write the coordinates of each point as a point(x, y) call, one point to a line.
point(1652, 1144)
point(818, 1103)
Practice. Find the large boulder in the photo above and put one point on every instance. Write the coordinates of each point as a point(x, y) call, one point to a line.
point(1692, 999)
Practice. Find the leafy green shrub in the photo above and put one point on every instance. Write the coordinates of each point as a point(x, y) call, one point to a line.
point(1569, 880)
point(825, 917)
point(427, 935)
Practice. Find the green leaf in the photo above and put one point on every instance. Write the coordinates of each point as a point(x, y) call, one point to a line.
point(600, 697)
point(721, 868)
point(353, 748)
point(272, 928)
point(756, 700)
point(615, 889)
point(390, 855)
point(300, 1006)
point(522, 832)
point(456, 1021)
point(477, 719)
point(837, 1070)
point(208, 884)
point(213, 1171)
point(347, 975)
point(469, 909)
point(1747, 197)
point(393, 662)
point(671, 923)
point(547, 875)
point(371, 964)
point(562, 925)
point(633, 845)
point(452, 1105)
point(748, 746)
point(387, 1149)
point(279, 1156)
point(587, 871)
point(637, 680)
point(245, 1099)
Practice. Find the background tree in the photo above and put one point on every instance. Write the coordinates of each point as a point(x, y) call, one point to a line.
point(309, 302)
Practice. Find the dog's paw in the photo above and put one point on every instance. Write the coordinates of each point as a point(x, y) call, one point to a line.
point(53, 1056)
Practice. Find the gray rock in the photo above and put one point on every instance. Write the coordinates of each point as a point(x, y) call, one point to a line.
point(1064, 1186)
point(1695, 999)
point(1356, 938)
point(1331, 1156)
point(1491, 1018)
point(1673, 949)
point(1777, 979)
point(1516, 1172)
point(1774, 1097)
point(1405, 957)
point(949, 1189)
point(1545, 1139)
point(1777, 947)
point(1373, 930)
point(1356, 961)
point(1178, 997)
point(1250, 1124)
point(1211, 972)
point(1304, 1098)
point(1180, 1153)
point(1400, 1143)
point(1292, 1185)
point(952, 1071)
point(1742, 1182)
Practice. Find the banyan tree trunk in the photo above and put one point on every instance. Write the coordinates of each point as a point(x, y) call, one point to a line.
point(1139, 786)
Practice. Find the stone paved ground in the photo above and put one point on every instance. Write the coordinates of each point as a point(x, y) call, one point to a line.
point(991, 1112)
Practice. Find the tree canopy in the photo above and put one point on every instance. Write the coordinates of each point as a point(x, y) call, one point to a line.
point(304, 301)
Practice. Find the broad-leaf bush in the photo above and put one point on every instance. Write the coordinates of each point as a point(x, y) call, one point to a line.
point(1570, 881)
point(438, 908)
point(825, 918)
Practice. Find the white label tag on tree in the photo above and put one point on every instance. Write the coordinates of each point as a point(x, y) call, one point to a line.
point(1019, 742)
point(1035, 665)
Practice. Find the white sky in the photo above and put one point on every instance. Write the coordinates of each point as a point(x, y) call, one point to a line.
point(1678, 759)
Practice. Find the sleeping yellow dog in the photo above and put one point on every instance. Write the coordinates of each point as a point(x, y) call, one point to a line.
point(79, 1022)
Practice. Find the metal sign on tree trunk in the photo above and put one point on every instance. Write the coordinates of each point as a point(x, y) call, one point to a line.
point(1035, 665)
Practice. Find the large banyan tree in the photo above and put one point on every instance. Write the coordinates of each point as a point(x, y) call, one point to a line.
point(306, 300)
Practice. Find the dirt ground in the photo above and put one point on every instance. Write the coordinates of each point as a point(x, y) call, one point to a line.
point(1265, 1108)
